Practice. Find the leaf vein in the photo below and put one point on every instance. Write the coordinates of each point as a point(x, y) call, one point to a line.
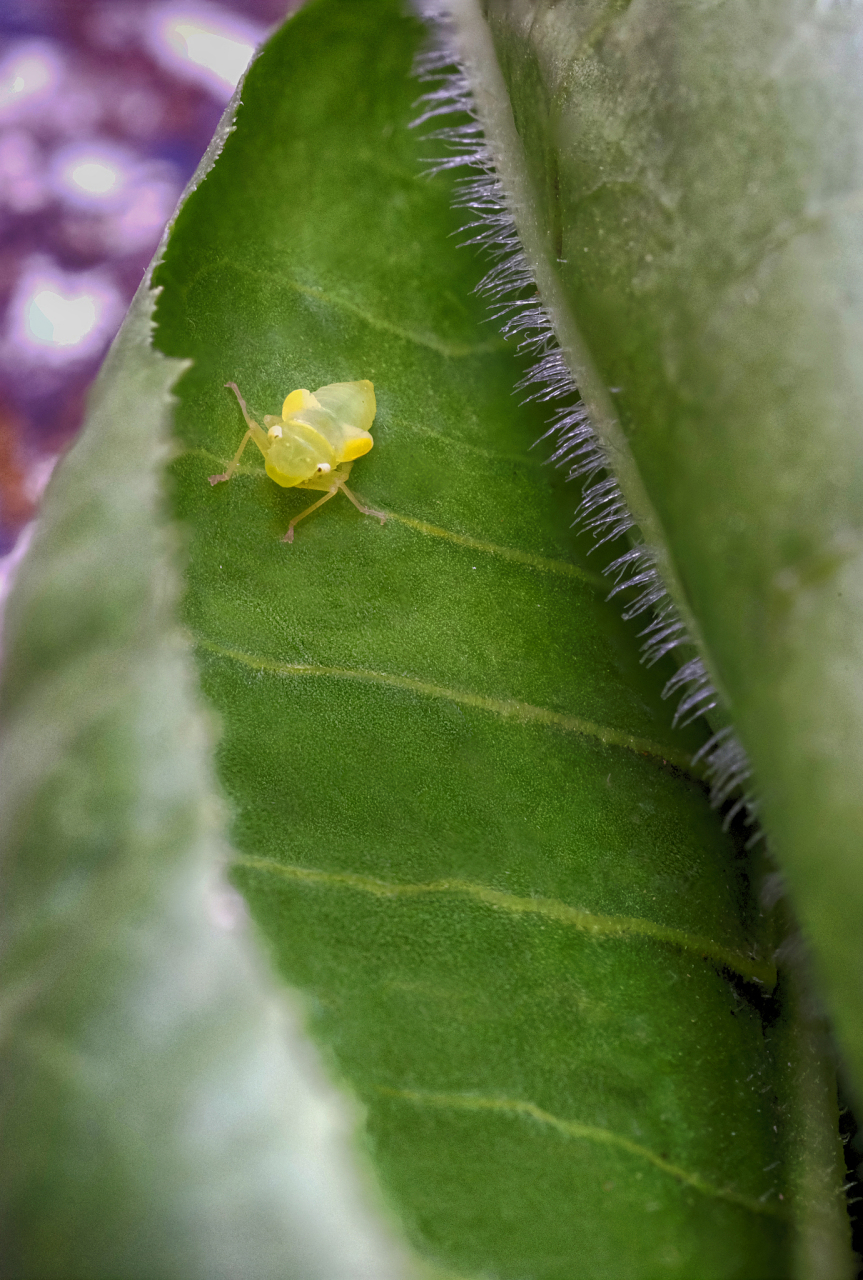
point(561, 567)
point(598, 926)
point(450, 350)
point(588, 1132)
point(508, 708)
point(430, 341)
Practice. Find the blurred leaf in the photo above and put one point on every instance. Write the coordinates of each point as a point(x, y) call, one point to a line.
point(162, 1115)
point(463, 819)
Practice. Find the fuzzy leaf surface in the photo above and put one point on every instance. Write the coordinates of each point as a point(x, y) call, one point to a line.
point(463, 819)
point(695, 172)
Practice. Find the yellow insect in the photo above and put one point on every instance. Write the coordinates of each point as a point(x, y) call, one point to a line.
point(314, 443)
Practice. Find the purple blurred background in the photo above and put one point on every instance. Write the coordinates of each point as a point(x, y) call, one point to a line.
point(105, 110)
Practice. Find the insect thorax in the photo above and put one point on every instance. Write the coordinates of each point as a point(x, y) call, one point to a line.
point(298, 454)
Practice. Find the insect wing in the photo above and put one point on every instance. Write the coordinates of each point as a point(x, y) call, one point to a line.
point(298, 400)
point(347, 441)
point(352, 407)
point(351, 403)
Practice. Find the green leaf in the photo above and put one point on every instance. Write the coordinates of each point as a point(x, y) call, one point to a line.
point(162, 1113)
point(462, 817)
point(688, 176)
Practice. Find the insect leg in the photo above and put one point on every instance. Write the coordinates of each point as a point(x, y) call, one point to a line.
point(367, 511)
point(289, 536)
point(254, 432)
point(226, 475)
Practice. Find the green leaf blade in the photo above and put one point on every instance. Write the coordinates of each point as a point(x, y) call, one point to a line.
point(462, 816)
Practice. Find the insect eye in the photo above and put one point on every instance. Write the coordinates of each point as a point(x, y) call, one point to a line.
point(275, 433)
point(324, 468)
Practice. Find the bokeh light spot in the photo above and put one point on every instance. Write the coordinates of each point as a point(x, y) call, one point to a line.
point(55, 316)
point(203, 43)
point(94, 177)
point(30, 71)
point(62, 321)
